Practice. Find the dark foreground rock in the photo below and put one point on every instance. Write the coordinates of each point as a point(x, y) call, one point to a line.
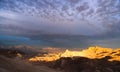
point(81, 64)
point(18, 65)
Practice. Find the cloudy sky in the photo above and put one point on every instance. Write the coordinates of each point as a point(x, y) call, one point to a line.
point(73, 17)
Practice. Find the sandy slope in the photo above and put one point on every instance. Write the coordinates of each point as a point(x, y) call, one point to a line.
point(17, 65)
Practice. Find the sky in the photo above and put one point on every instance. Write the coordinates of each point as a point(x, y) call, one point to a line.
point(31, 18)
point(73, 17)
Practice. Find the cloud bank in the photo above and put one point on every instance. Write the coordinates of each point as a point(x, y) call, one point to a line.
point(73, 17)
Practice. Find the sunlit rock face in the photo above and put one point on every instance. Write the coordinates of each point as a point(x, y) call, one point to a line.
point(91, 53)
point(93, 59)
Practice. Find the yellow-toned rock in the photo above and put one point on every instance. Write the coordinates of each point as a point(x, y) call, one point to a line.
point(92, 53)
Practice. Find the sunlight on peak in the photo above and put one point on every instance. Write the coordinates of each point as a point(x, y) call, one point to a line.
point(91, 53)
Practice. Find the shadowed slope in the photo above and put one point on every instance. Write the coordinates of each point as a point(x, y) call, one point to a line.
point(17, 65)
point(82, 64)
